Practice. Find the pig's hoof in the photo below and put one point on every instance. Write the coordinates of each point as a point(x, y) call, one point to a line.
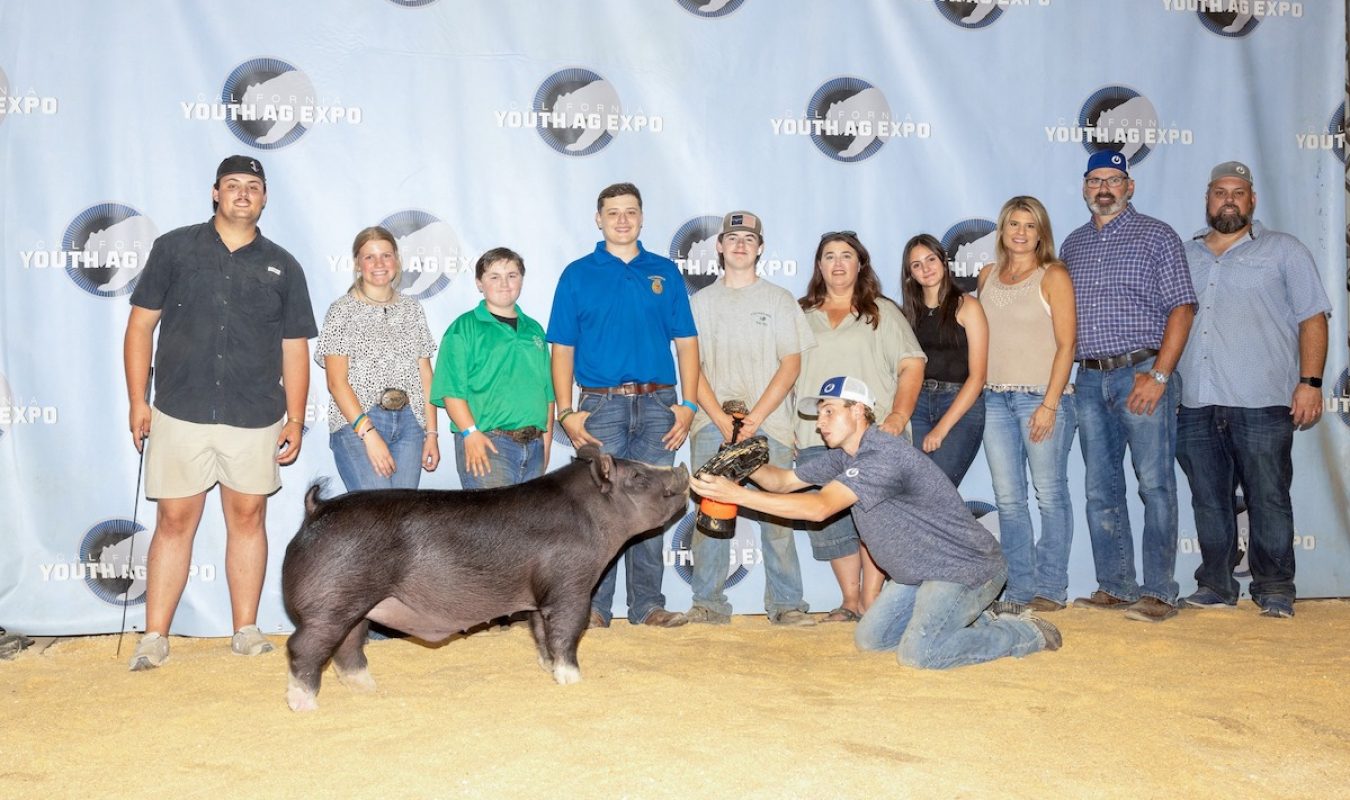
point(301, 700)
point(565, 674)
point(359, 681)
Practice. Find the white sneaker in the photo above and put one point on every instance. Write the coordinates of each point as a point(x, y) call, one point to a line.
point(151, 652)
point(249, 641)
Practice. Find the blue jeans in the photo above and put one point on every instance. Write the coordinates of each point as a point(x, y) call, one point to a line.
point(963, 441)
point(512, 463)
point(835, 537)
point(1105, 428)
point(400, 432)
point(631, 426)
point(1221, 448)
point(712, 555)
point(1039, 569)
point(937, 625)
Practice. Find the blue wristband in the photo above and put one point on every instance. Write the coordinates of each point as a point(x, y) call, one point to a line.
point(690, 404)
point(467, 431)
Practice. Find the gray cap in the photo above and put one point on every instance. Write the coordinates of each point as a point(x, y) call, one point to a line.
point(1232, 169)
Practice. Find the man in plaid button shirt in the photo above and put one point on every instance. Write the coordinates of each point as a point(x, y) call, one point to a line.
point(1135, 307)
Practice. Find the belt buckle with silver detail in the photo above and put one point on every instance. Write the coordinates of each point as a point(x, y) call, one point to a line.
point(393, 399)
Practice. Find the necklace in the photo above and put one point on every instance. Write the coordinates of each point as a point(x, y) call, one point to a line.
point(1012, 278)
point(393, 297)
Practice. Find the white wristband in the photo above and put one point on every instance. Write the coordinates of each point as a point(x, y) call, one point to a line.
point(465, 433)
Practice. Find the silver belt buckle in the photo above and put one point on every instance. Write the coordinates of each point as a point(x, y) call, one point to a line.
point(393, 399)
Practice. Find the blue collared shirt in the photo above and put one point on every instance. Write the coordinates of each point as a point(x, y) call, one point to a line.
point(1243, 348)
point(621, 318)
point(1127, 278)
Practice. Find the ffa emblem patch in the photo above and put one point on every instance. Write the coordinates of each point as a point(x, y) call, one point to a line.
point(657, 286)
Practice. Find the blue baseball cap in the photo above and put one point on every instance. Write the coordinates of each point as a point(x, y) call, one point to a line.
point(1108, 159)
point(840, 388)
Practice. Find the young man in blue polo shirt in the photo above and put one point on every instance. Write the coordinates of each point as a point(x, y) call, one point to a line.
point(615, 313)
point(945, 569)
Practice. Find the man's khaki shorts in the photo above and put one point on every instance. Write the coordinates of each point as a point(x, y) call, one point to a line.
point(187, 458)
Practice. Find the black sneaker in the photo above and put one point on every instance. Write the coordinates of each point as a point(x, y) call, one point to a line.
point(1277, 606)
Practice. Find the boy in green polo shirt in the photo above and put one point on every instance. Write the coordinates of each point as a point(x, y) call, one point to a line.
point(492, 377)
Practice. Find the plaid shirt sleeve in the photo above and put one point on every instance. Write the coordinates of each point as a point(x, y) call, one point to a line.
point(1173, 275)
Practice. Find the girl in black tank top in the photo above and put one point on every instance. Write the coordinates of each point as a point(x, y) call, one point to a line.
point(948, 422)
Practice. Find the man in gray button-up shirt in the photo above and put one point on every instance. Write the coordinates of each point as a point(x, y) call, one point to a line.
point(1251, 374)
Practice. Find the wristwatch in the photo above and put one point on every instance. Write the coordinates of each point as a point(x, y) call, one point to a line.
point(1312, 381)
point(1158, 376)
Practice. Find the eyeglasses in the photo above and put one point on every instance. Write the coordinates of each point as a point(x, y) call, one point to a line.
point(828, 234)
point(1114, 181)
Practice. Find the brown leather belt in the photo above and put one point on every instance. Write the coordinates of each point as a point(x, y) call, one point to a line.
point(628, 388)
point(520, 435)
point(1116, 362)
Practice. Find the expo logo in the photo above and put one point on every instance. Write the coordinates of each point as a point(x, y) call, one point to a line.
point(11, 414)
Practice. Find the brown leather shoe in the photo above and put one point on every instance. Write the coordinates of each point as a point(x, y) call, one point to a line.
point(1102, 600)
point(1150, 609)
point(662, 618)
point(1044, 605)
point(597, 621)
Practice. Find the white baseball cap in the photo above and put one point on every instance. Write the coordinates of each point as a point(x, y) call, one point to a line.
point(840, 388)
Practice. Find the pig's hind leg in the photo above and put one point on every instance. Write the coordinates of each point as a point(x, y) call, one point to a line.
point(308, 649)
point(315, 641)
point(349, 662)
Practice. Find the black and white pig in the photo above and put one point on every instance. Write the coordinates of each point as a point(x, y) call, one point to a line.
point(433, 563)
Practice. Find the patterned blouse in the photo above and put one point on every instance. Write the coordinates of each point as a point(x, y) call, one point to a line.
point(383, 345)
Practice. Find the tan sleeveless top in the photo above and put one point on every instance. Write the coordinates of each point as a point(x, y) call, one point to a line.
point(1021, 336)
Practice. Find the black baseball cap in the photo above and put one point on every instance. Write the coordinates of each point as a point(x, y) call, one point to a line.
point(246, 165)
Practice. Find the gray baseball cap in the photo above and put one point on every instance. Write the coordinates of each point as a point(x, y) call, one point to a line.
point(1232, 169)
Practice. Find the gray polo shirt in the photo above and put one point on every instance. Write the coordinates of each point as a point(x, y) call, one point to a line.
point(1243, 347)
point(223, 316)
point(913, 521)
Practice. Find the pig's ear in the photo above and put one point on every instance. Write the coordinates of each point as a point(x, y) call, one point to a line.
point(602, 464)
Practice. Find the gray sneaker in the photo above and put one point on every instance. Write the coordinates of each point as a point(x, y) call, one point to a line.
point(791, 618)
point(1008, 608)
point(249, 641)
point(1053, 639)
point(151, 652)
point(699, 614)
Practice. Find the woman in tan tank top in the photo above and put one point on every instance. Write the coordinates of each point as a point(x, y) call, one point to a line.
point(1029, 412)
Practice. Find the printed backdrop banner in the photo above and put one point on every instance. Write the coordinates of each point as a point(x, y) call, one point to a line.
point(468, 124)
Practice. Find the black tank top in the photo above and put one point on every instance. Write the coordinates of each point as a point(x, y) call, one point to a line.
point(948, 358)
